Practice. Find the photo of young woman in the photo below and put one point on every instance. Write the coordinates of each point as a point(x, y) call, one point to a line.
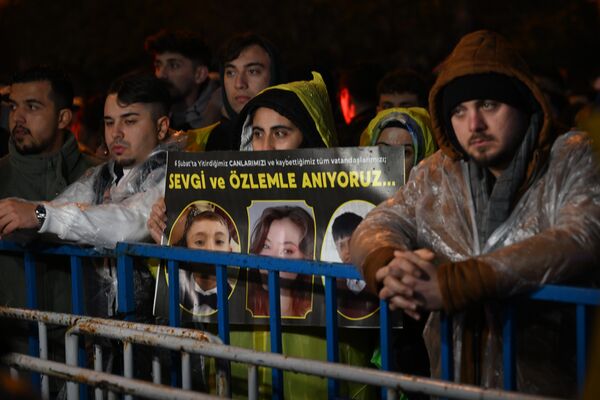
point(205, 228)
point(282, 232)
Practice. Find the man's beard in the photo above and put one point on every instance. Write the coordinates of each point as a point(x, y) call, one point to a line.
point(24, 146)
point(176, 94)
point(501, 159)
point(125, 162)
point(498, 160)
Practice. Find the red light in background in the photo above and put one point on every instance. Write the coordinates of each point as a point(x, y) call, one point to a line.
point(348, 109)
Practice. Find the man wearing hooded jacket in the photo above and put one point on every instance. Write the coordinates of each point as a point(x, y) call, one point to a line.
point(505, 206)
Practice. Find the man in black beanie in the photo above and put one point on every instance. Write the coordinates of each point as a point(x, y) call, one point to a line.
point(491, 112)
point(506, 205)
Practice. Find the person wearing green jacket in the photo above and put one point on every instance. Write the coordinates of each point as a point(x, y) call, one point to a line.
point(285, 117)
point(43, 160)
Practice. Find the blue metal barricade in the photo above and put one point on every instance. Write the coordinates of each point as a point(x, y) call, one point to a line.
point(580, 298)
point(125, 253)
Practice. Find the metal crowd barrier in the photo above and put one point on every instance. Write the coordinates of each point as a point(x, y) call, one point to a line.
point(125, 253)
point(189, 342)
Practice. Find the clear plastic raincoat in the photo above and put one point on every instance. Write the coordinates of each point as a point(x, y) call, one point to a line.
point(94, 211)
point(551, 235)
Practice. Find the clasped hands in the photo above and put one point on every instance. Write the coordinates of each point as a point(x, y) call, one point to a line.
point(409, 281)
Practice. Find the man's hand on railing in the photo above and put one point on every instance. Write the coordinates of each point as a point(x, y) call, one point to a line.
point(17, 214)
point(410, 282)
point(157, 221)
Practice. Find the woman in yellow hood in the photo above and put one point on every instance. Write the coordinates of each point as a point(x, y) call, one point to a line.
point(286, 117)
point(303, 113)
point(402, 126)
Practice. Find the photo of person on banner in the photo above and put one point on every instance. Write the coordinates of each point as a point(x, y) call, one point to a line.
point(204, 226)
point(283, 232)
point(354, 302)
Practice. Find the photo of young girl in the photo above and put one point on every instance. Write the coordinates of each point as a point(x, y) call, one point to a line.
point(282, 231)
point(204, 226)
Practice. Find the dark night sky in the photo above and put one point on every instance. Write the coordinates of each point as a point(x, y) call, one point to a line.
point(98, 40)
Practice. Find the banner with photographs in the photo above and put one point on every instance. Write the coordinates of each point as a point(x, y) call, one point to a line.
point(297, 204)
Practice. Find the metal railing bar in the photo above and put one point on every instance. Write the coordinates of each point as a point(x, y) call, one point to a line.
point(368, 376)
point(61, 319)
point(112, 382)
point(275, 329)
point(306, 267)
point(173, 275)
point(98, 392)
point(186, 371)
point(43, 340)
point(508, 350)
point(156, 370)
point(252, 382)
point(566, 294)
point(581, 335)
point(58, 250)
point(71, 350)
point(128, 363)
point(331, 330)
point(222, 303)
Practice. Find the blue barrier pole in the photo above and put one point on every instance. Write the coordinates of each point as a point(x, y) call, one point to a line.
point(222, 303)
point(275, 325)
point(78, 308)
point(77, 296)
point(32, 303)
point(173, 277)
point(385, 334)
point(446, 338)
point(508, 349)
point(125, 290)
point(174, 317)
point(332, 330)
point(581, 340)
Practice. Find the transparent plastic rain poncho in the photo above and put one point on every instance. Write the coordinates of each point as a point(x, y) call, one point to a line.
point(552, 235)
point(94, 211)
point(83, 215)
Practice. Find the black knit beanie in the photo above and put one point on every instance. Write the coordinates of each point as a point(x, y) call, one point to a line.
point(491, 86)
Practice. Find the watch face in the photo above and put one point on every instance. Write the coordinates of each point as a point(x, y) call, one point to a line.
point(40, 213)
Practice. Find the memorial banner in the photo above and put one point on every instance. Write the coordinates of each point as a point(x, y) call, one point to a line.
point(297, 204)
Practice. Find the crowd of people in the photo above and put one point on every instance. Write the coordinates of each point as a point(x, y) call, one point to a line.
point(502, 196)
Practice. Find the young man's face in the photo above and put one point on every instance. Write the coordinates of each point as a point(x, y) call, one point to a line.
point(245, 76)
point(489, 132)
point(183, 75)
point(273, 131)
point(132, 131)
point(34, 122)
point(342, 245)
point(391, 100)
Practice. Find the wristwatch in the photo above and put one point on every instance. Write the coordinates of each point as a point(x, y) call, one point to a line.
point(40, 214)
